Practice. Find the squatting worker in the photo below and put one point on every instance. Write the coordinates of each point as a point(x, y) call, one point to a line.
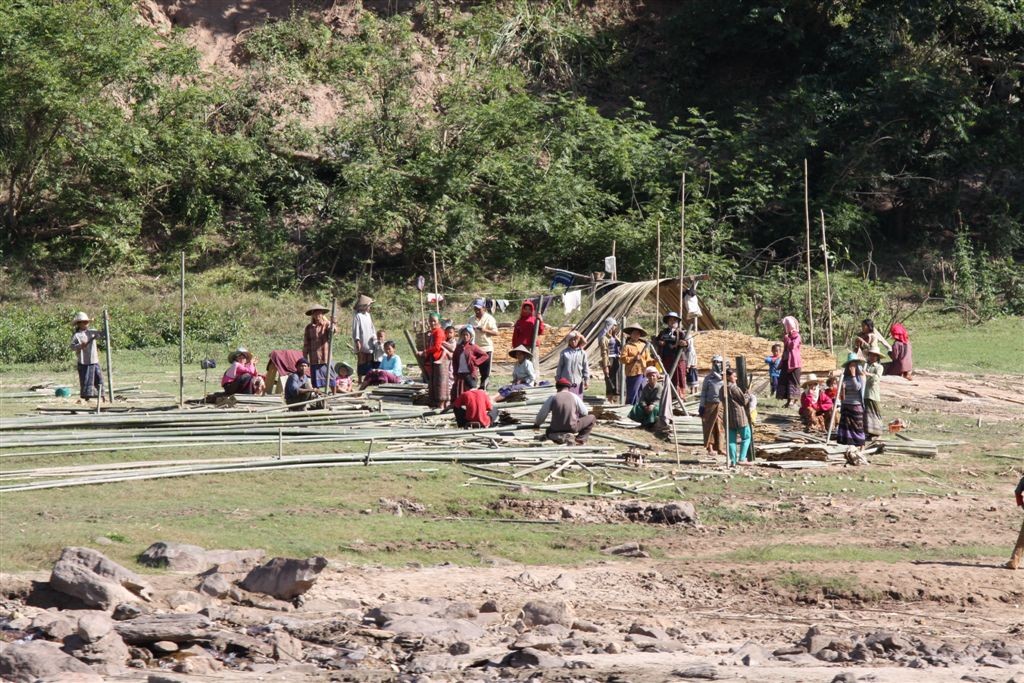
point(83, 342)
point(1018, 551)
point(299, 388)
point(316, 340)
point(364, 336)
point(486, 327)
point(569, 416)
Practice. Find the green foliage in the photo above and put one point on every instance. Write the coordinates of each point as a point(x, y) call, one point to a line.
point(37, 334)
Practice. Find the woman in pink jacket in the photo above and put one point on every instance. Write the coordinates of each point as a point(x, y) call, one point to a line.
point(789, 378)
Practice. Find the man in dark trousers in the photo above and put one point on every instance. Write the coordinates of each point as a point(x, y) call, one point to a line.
point(569, 416)
point(1018, 551)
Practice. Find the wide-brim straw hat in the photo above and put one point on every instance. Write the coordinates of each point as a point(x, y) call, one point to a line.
point(363, 300)
point(811, 379)
point(316, 308)
point(519, 349)
point(875, 350)
point(81, 317)
point(629, 328)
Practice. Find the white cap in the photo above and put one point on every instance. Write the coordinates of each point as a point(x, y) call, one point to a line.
point(650, 369)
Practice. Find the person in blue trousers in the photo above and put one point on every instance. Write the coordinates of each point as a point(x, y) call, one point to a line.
point(736, 415)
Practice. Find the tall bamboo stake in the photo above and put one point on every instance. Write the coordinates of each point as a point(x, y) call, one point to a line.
point(725, 405)
point(615, 263)
point(437, 292)
point(828, 284)
point(181, 338)
point(110, 367)
point(657, 279)
point(807, 222)
point(330, 345)
point(682, 238)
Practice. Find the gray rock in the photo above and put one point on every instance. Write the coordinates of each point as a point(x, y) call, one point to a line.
point(887, 641)
point(827, 654)
point(427, 607)
point(108, 654)
point(458, 610)
point(751, 654)
point(540, 612)
point(585, 626)
point(215, 585)
point(845, 677)
point(533, 659)
point(649, 630)
point(490, 607)
point(284, 578)
point(563, 582)
point(54, 625)
point(459, 648)
point(994, 662)
point(441, 630)
point(27, 662)
point(95, 580)
point(163, 647)
point(225, 640)
point(655, 644)
point(177, 628)
point(630, 549)
point(545, 637)
point(680, 513)
point(196, 661)
point(129, 610)
point(286, 647)
point(182, 557)
point(425, 664)
point(704, 672)
point(94, 625)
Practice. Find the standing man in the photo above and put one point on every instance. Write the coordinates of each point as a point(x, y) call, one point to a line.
point(83, 343)
point(569, 416)
point(1018, 551)
point(486, 327)
point(364, 336)
point(711, 409)
point(315, 341)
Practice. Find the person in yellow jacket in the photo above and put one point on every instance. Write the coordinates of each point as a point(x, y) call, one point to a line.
point(634, 357)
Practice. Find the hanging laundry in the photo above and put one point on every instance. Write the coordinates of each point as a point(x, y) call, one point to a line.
point(609, 264)
point(502, 304)
point(541, 303)
point(562, 278)
point(434, 297)
point(572, 300)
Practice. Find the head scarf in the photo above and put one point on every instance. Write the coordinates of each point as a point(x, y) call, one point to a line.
point(527, 315)
point(899, 333)
point(790, 324)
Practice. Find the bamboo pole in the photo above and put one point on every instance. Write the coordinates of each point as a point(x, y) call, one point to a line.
point(110, 366)
point(657, 280)
point(330, 345)
point(828, 283)
point(682, 238)
point(437, 291)
point(615, 264)
point(807, 222)
point(181, 338)
point(725, 404)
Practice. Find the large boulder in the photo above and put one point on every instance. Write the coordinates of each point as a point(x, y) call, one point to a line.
point(98, 582)
point(435, 628)
point(177, 628)
point(284, 578)
point(28, 662)
point(540, 613)
point(182, 557)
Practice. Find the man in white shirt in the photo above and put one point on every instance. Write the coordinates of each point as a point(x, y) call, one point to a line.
point(486, 327)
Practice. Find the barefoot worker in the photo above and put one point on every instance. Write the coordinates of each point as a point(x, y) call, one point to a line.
point(486, 327)
point(902, 363)
point(851, 403)
point(364, 336)
point(571, 421)
point(710, 409)
point(83, 343)
point(647, 408)
point(299, 388)
point(739, 425)
point(789, 370)
point(316, 339)
point(573, 364)
point(635, 358)
point(1018, 551)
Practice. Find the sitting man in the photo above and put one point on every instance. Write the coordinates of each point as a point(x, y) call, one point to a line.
point(569, 416)
point(299, 387)
point(473, 409)
point(647, 408)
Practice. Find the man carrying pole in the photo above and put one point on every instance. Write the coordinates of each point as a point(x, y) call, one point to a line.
point(316, 345)
point(83, 343)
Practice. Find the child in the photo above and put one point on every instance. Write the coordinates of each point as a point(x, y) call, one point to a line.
point(810, 402)
point(523, 375)
point(83, 342)
point(377, 348)
point(774, 363)
point(343, 379)
point(390, 361)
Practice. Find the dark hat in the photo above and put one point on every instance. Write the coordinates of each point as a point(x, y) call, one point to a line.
point(301, 361)
point(562, 382)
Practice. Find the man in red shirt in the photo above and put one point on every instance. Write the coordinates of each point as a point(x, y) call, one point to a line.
point(473, 407)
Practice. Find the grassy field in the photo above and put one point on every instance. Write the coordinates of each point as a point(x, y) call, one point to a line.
point(336, 511)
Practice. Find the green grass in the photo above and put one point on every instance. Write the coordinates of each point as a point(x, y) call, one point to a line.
point(813, 583)
point(792, 553)
point(945, 342)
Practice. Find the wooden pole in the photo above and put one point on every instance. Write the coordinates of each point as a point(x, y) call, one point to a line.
point(615, 266)
point(828, 284)
point(423, 314)
point(110, 367)
point(181, 338)
point(682, 239)
point(657, 280)
point(437, 292)
point(330, 345)
point(725, 405)
point(807, 222)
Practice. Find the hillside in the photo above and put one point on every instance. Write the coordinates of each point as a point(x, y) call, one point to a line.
point(311, 140)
